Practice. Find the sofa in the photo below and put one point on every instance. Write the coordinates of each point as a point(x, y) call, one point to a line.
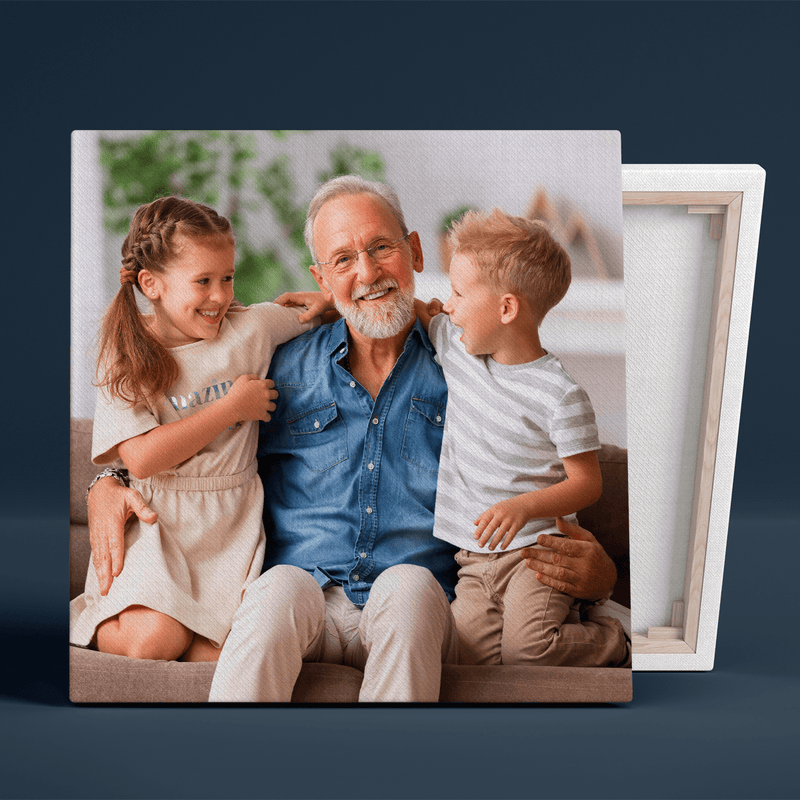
point(102, 678)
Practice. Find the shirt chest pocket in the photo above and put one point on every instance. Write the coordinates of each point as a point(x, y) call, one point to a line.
point(422, 442)
point(319, 437)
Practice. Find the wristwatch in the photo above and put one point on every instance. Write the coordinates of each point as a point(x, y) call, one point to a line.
point(119, 475)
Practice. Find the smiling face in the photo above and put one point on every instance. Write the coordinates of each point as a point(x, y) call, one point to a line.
point(192, 295)
point(375, 297)
point(474, 307)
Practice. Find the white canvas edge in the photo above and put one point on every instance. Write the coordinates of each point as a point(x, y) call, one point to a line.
point(748, 179)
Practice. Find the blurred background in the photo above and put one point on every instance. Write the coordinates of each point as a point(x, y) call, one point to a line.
point(264, 180)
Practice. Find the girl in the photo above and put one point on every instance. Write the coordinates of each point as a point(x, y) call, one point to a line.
point(179, 401)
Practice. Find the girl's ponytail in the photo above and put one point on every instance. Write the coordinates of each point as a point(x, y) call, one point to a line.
point(132, 364)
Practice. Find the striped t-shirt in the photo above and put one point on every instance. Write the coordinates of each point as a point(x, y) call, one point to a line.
point(506, 430)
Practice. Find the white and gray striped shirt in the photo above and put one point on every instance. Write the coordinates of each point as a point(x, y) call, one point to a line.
point(506, 430)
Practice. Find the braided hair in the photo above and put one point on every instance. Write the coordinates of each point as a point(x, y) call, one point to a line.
point(132, 364)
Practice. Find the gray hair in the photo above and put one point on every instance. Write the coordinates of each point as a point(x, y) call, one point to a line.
point(349, 184)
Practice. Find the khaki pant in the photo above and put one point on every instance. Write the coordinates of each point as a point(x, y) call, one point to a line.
point(399, 639)
point(505, 616)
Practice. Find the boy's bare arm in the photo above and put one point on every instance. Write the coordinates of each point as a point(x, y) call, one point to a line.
point(500, 523)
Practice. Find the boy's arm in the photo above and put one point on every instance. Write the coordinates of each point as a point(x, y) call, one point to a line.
point(250, 398)
point(583, 486)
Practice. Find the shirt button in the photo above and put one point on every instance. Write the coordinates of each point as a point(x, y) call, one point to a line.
point(438, 418)
point(375, 421)
point(342, 350)
point(352, 384)
point(316, 423)
point(370, 466)
point(369, 510)
point(363, 554)
point(355, 577)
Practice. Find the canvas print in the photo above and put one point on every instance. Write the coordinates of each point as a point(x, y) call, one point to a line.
point(350, 410)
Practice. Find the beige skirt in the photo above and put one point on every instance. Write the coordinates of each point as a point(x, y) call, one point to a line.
point(193, 563)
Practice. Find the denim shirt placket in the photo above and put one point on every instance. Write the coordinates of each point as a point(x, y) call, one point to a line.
point(378, 411)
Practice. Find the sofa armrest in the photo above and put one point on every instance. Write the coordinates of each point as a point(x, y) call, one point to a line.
point(80, 555)
point(608, 518)
point(81, 471)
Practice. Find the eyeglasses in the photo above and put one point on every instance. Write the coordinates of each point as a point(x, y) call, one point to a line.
point(381, 250)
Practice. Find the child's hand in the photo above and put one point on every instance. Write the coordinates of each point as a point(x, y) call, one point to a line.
point(315, 302)
point(501, 523)
point(435, 306)
point(250, 398)
point(427, 311)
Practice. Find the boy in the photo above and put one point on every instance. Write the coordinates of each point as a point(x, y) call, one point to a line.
point(518, 449)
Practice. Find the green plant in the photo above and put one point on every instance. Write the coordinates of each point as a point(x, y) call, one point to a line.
point(139, 169)
point(207, 165)
point(349, 160)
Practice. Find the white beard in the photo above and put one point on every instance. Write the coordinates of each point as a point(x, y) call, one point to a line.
point(384, 321)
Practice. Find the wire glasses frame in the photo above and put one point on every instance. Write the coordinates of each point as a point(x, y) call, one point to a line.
point(380, 251)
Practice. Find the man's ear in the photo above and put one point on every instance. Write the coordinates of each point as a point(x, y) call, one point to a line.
point(149, 284)
point(417, 259)
point(509, 308)
point(323, 287)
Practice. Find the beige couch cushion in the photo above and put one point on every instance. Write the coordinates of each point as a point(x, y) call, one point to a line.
point(527, 684)
point(103, 678)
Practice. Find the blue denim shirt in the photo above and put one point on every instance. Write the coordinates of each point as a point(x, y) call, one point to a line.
point(350, 484)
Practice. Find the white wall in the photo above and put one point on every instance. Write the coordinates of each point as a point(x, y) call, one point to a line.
point(91, 288)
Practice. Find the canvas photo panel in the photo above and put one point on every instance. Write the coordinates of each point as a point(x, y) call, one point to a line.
point(359, 520)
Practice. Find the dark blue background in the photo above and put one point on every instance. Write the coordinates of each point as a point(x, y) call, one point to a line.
point(706, 82)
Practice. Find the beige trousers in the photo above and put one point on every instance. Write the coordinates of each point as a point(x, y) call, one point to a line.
point(505, 616)
point(399, 639)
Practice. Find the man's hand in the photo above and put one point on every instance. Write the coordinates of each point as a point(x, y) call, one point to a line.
point(110, 506)
point(505, 520)
point(577, 566)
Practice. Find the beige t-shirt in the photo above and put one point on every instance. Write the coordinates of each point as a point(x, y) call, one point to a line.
point(245, 344)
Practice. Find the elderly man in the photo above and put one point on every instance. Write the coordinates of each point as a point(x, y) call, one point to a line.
point(349, 464)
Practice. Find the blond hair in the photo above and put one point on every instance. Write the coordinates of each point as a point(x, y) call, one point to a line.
point(514, 255)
